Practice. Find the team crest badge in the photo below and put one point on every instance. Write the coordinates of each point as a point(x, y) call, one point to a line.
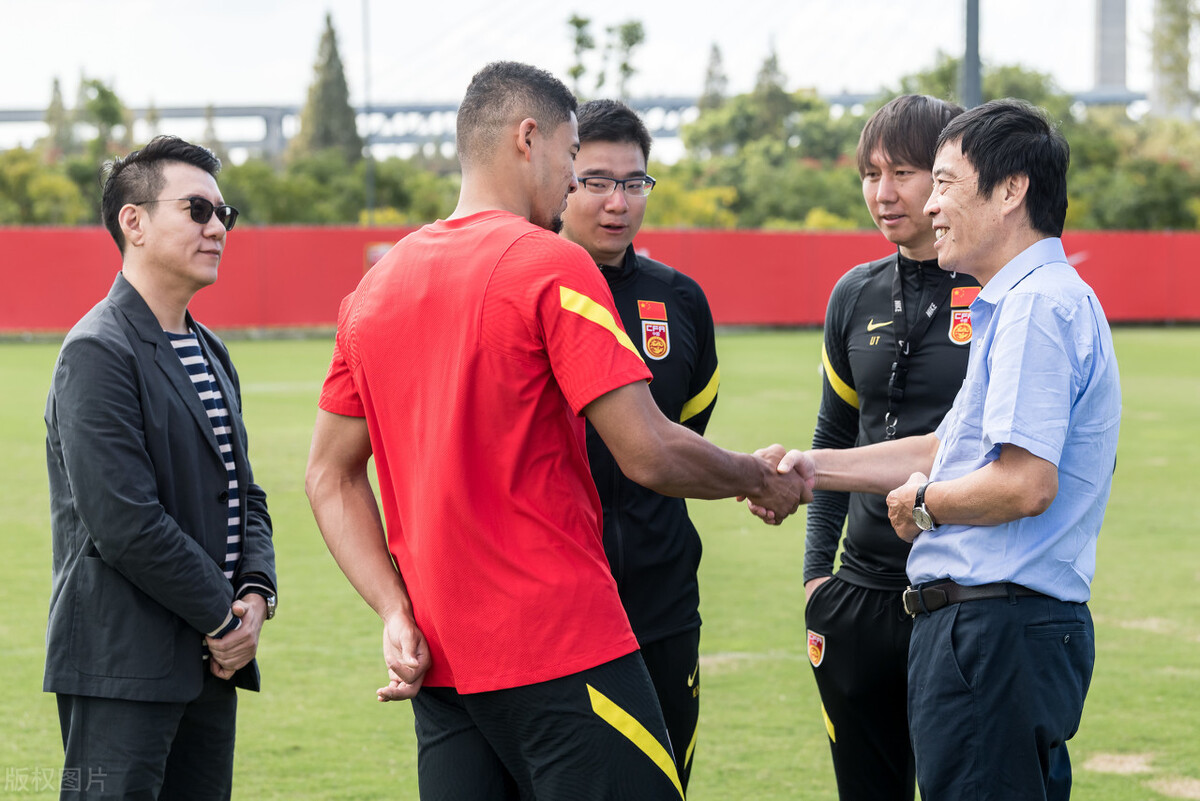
point(960, 326)
point(656, 339)
point(816, 648)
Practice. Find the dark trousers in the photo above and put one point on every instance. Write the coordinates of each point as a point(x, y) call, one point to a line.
point(148, 751)
point(860, 662)
point(996, 688)
point(674, 666)
point(596, 735)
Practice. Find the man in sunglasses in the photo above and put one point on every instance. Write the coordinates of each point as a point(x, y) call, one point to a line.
point(652, 546)
point(465, 363)
point(163, 569)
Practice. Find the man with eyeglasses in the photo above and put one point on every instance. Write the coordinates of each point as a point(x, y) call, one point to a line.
point(163, 564)
point(465, 364)
point(651, 544)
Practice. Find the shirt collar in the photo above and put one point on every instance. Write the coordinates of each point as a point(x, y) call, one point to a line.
point(1044, 251)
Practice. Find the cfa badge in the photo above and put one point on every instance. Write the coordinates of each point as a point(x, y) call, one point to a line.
point(656, 339)
point(960, 326)
point(816, 648)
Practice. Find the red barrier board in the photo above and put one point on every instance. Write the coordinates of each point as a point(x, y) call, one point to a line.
point(283, 277)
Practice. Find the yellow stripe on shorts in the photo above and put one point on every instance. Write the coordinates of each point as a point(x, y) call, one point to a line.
point(636, 733)
point(828, 724)
point(588, 309)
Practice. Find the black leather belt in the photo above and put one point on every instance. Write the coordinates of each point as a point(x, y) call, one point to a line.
point(932, 597)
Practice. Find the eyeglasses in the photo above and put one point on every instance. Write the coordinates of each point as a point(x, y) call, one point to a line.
point(202, 210)
point(633, 187)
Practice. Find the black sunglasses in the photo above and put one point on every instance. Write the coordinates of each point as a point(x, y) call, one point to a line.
point(202, 210)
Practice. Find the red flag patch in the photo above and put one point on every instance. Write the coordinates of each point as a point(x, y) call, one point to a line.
point(963, 296)
point(652, 310)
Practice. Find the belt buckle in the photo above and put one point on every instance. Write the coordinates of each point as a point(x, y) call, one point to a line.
point(912, 601)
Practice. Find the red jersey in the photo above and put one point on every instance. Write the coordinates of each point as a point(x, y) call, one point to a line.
point(471, 348)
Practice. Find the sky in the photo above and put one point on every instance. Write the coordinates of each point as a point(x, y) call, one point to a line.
point(263, 51)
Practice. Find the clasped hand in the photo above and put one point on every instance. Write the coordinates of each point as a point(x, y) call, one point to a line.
point(236, 649)
point(789, 483)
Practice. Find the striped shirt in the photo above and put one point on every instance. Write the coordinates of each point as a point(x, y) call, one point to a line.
point(187, 347)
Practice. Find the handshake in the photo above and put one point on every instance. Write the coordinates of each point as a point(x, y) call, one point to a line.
point(850, 470)
point(789, 478)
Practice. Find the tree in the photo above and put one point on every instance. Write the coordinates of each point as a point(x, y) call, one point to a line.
point(209, 138)
point(715, 81)
point(153, 119)
point(622, 40)
point(328, 120)
point(581, 42)
point(941, 80)
point(1170, 48)
point(629, 36)
point(60, 141)
point(33, 194)
point(102, 108)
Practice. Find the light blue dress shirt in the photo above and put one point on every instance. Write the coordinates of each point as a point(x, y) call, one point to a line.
point(1043, 376)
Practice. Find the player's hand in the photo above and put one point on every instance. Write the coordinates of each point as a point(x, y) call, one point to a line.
point(900, 502)
point(798, 467)
point(811, 585)
point(407, 657)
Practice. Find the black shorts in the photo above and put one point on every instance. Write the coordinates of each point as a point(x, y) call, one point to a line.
point(597, 734)
point(674, 666)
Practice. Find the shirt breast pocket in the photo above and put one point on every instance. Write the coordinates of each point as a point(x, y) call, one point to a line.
point(962, 440)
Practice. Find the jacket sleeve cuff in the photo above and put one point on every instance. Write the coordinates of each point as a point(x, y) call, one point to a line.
point(229, 625)
point(254, 583)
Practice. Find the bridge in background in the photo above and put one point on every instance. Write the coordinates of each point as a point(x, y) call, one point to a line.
point(265, 130)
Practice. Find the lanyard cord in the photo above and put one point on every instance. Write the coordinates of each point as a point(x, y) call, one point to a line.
point(906, 341)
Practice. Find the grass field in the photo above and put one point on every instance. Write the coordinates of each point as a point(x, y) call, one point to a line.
point(316, 732)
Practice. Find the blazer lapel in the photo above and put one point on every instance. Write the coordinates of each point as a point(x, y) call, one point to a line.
point(148, 329)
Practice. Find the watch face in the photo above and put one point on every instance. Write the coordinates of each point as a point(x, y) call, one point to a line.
point(922, 519)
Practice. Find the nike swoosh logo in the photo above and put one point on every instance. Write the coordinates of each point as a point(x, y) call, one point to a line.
point(872, 325)
point(695, 673)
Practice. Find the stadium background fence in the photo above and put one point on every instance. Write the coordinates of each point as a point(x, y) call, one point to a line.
point(294, 277)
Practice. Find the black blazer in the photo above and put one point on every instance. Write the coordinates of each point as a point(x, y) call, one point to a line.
point(138, 509)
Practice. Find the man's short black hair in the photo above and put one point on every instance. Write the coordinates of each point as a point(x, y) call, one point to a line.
point(906, 130)
point(612, 121)
point(139, 176)
point(503, 93)
point(1010, 137)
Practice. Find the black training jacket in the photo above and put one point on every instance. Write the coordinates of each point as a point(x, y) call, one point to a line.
point(857, 356)
point(652, 546)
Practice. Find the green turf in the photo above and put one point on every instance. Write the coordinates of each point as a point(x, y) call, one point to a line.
point(316, 732)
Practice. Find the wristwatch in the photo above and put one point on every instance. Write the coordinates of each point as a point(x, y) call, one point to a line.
point(269, 597)
point(921, 515)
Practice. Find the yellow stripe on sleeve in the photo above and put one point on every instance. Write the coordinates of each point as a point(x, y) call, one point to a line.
point(828, 724)
point(588, 309)
point(842, 389)
point(636, 733)
point(703, 398)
